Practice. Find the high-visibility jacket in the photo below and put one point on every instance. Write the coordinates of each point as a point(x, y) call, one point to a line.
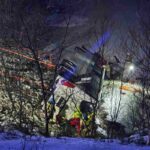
point(77, 114)
point(89, 119)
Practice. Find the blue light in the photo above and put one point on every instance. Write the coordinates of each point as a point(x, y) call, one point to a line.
point(100, 42)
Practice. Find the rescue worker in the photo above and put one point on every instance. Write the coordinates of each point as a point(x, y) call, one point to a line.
point(82, 117)
point(75, 121)
point(87, 116)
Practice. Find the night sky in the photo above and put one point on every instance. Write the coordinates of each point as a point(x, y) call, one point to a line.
point(86, 19)
point(123, 14)
point(124, 10)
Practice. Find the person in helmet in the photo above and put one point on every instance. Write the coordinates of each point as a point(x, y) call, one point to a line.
point(82, 116)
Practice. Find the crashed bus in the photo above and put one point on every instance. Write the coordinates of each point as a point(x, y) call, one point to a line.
point(77, 87)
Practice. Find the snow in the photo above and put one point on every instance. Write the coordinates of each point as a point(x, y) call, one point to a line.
point(9, 142)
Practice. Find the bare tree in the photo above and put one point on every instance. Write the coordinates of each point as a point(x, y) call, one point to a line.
point(27, 30)
point(102, 26)
point(139, 45)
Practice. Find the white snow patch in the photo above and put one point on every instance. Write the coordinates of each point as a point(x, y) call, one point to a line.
point(64, 143)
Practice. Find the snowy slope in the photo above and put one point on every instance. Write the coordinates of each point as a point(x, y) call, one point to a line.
point(21, 142)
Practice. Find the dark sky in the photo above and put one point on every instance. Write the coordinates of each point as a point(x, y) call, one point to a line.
point(84, 14)
point(128, 9)
point(124, 10)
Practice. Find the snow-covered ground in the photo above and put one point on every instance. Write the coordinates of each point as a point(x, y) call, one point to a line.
point(21, 142)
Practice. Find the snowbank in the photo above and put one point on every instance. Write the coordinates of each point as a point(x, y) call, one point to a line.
point(41, 143)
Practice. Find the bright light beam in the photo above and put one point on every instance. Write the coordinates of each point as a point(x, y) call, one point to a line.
point(100, 42)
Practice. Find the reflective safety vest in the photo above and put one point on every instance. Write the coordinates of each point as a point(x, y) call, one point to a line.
point(89, 119)
point(77, 114)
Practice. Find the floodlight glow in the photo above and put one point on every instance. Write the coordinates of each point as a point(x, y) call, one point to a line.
point(131, 67)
